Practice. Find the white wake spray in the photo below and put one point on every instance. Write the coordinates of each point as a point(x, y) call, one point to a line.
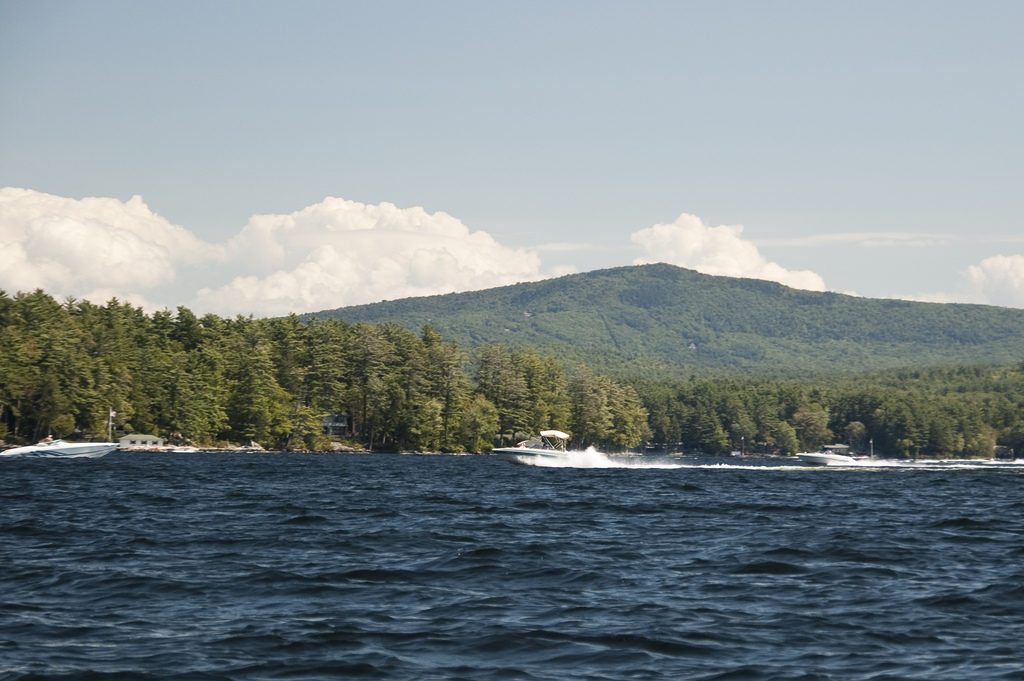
point(591, 458)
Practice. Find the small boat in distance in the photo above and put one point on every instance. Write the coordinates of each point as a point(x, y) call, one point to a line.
point(830, 455)
point(549, 444)
point(59, 449)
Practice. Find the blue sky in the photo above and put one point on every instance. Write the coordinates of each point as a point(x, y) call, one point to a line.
point(869, 148)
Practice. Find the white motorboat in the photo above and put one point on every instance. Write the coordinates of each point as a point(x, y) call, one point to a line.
point(549, 444)
point(830, 455)
point(59, 449)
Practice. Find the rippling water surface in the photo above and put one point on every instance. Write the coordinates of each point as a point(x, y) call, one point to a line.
point(258, 566)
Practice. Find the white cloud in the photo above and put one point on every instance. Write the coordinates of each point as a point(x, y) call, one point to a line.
point(998, 280)
point(330, 254)
point(720, 250)
point(90, 246)
point(339, 252)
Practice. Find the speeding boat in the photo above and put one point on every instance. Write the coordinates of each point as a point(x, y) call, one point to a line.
point(59, 449)
point(830, 455)
point(549, 444)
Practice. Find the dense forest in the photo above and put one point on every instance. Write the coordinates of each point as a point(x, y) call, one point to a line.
point(213, 381)
point(206, 381)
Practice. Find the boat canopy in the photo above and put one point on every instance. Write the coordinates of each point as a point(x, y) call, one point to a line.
point(554, 433)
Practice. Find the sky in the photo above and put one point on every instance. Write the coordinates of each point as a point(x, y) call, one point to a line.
point(261, 158)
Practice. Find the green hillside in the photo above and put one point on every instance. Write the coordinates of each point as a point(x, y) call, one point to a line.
point(659, 318)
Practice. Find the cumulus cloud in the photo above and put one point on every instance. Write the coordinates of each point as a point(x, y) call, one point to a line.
point(998, 280)
point(333, 253)
point(721, 250)
point(89, 247)
point(340, 252)
point(330, 254)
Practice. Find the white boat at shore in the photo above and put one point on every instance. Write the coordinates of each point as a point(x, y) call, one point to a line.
point(548, 445)
point(59, 449)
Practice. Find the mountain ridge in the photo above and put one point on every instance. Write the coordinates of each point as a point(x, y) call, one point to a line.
point(644, 318)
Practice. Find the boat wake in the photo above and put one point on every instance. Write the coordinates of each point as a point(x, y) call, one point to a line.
point(867, 465)
point(591, 458)
point(929, 464)
point(50, 455)
point(59, 449)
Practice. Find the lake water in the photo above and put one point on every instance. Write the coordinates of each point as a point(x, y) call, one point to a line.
point(286, 566)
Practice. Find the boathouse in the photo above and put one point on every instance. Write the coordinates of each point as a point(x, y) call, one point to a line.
point(140, 441)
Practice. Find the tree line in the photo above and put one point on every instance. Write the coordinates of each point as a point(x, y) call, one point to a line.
point(940, 412)
point(64, 366)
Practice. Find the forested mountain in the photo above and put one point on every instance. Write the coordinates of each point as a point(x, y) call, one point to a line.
point(659, 319)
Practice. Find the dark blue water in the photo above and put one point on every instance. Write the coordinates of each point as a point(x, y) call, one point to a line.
point(221, 566)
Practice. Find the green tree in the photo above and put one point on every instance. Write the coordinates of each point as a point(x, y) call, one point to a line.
point(500, 380)
point(629, 417)
point(784, 437)
point(811, 424)
point(330, 352)
point(591, 412)
point(856, 434)
point(258, 407)
point(711, 435)
point(448, 383)
point(477, 424)
point(199, 396)
point(373, 383)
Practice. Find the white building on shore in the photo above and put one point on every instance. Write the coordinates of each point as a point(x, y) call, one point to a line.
point(140, 441)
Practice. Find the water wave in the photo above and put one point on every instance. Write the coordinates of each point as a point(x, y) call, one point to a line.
point(256, 567)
